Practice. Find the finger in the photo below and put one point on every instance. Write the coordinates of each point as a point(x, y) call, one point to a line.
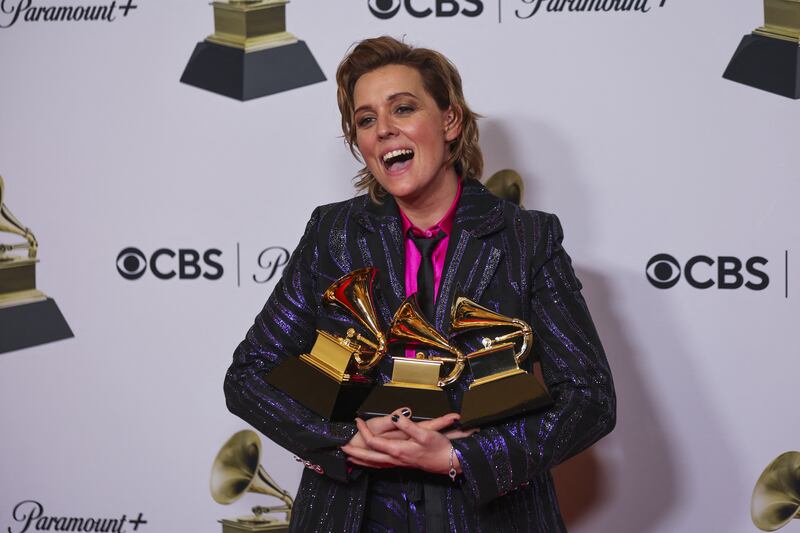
point(440, 423)
point(420, 433)
point(370, 455)
point(381, 444)
point(380, 424)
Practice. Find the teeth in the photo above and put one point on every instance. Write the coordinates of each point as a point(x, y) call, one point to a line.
point(396, 153)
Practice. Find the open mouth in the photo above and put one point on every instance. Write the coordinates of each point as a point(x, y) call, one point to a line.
point(397, 160)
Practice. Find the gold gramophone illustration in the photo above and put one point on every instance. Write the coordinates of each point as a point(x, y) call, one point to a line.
point(769, 58)
point(500, 387)
point(236, 471)
point(27, 316)
point(776, 495)
point(250, 54)
point(416, 382)
point(507, 184)
point(331, 380)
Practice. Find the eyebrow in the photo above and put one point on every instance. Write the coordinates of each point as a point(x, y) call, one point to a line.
point(390, 98)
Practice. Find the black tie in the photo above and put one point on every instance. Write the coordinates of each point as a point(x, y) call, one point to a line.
point(425, 280)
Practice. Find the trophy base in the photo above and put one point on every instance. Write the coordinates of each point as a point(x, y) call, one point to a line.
point(502, 398)
point(235, 526)
point(335, 400)
point(767, 63)
point(424, 403)
point(32, 324)
point(244, 75)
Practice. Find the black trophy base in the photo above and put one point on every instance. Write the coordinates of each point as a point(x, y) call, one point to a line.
point(32, 324)
point(337, 401)
point(767, 63)
point(503, 398)
point(424, 403)
point(246, 75)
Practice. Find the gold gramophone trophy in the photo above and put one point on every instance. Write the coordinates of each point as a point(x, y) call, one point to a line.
point(236, 471)
point(27, 316)
point(507, 184)
point(769, 58)
point(776, 495)
point(500, 388)
point(250, 54)
point(331, 380)
point(416, 382)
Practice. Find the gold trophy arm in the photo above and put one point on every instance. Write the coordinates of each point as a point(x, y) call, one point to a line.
point(11, 224)
point(527, 339)
point(455, 373)
point(379, 351)
point(467, 315)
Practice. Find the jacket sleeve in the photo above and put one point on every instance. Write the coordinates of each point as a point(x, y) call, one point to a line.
point(505, 457)
point(284, 328)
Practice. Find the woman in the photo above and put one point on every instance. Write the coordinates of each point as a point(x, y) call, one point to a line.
point(404, 114)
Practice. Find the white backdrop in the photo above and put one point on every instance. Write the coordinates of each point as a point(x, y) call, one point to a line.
point(619, 122)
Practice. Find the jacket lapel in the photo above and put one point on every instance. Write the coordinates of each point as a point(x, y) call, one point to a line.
point(471, 259)
point(380, 244)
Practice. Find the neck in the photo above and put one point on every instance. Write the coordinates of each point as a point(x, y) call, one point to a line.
point(428, 207)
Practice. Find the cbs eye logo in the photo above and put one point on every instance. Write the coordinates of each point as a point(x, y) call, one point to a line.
point(386, 9)
point(165, 264)
point(703, 272)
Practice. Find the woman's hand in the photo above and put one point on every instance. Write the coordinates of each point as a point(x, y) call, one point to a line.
point(396, 441)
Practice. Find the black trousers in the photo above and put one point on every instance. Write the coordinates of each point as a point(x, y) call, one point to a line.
point(406, 501)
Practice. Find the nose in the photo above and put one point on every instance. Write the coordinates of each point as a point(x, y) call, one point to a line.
point(385, 127)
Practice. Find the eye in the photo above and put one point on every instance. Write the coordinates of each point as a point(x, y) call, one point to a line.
point(663, 271)
point(404, 109)
point(364, 121)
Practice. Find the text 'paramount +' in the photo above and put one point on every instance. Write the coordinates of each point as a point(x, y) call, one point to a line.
point(14, 11)
point(192, 264)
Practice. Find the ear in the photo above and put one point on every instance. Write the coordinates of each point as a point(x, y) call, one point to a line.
point(452, 123)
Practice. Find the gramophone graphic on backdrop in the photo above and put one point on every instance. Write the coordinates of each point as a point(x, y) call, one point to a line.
point(27, 316)
point(236, 471)
point(769, 57)
point(250, 54)
point(776, 495)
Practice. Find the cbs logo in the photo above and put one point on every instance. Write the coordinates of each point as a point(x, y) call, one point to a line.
point(165, 263)
point(703, 272)
point(386, 9)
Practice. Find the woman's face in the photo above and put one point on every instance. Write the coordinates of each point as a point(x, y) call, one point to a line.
point(401, 133)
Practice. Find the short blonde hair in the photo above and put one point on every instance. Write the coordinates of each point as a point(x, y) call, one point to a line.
point(440, 78)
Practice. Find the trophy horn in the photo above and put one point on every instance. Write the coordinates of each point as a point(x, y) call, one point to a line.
point(409, 325)
point(10, 224)
point(354, 292)
point(507, 184)
point(237, 470)
point(466, 315)
point(776, 495)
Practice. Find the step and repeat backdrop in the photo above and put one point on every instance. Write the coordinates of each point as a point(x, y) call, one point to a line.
point(164, 214)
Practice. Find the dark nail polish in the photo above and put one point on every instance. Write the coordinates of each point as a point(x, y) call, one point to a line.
point(406, 412)
point(395, 418)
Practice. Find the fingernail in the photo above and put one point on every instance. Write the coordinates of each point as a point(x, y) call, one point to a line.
point(406, 412)
point(395, 418)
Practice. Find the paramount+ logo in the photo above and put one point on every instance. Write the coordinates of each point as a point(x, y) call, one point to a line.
point(386, 9)
point(705, 272)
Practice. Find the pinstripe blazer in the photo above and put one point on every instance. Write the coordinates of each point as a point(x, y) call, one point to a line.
point(509, 260)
